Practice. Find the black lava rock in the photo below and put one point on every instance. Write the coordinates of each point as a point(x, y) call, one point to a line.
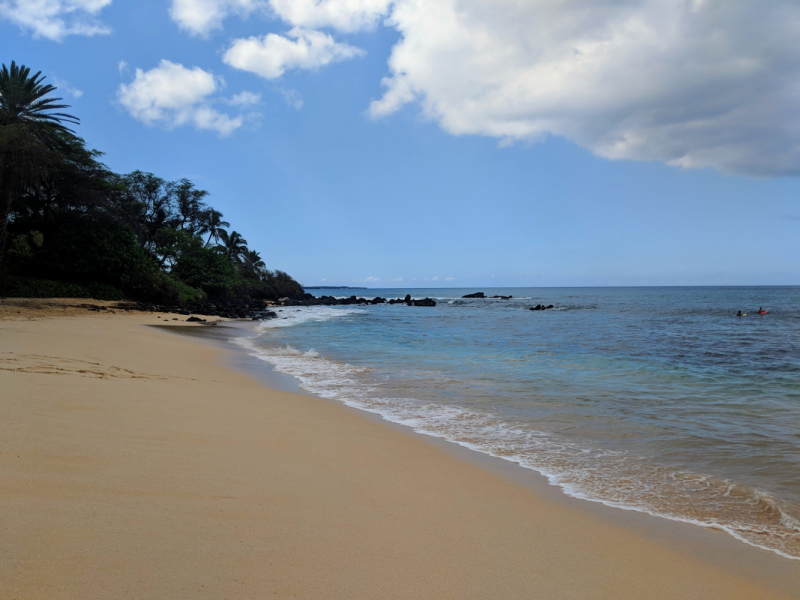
point(425, 302)
point(541, 307)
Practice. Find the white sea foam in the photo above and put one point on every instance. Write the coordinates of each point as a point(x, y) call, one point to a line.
point(289, 316)
point(613, 478)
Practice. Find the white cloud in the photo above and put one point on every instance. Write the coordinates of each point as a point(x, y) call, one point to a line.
point(201, 17)
point(122, 67)
point(56, 19)
point(171, 95)
point(695, 83)
point(271, 55)
point(245, 99)
point(293, 98)
point(64, 85)
point(344, 15)
point(303, 47)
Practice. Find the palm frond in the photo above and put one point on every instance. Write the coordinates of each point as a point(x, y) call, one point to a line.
point(25, 99)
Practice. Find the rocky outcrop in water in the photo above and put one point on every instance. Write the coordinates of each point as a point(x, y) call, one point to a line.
point(482, 295)
point(541, 307)
point(424, 302)
point(260, 309)
point(309, 300)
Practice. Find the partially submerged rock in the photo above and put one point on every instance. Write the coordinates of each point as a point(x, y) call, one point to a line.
point(425, 302)
point(541, 307)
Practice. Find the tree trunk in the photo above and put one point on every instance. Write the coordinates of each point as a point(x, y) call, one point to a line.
point(5, 211)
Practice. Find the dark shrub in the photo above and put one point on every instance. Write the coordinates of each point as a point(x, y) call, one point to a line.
point(14, 286)
point(283, 285)
point(85, 251)
point(206, 269)
point(273, 286)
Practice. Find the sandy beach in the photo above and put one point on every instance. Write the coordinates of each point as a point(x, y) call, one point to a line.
point(134, 464)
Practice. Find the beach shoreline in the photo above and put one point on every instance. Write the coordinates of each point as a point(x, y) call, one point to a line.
point(711, 545)
point(142, 464)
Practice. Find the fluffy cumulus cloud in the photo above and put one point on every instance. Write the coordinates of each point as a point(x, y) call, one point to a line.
point(55, 19)
point(200, 17)
point(343, 15)
point(172, 95)
point(303, 47)
point(693, 83)
point(271, 55)
point(245, 99)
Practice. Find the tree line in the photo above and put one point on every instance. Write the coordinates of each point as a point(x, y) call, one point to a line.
point(69, 224)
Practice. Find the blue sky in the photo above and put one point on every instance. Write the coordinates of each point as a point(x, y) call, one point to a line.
point(428, 150)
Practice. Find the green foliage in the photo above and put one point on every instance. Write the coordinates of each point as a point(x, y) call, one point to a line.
point(233, 245)
point(71, 226)
point(282, 285)
point(270, 286)
point(206, 269)
point(23, 247)
point(14, 286)
point(187, 293)
point(152, 285)
point(212, 224)
point(161, 288)
point(32, 135)
point(22, 99)
point(87, 250)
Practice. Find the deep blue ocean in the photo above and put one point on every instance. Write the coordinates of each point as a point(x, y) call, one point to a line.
point(653, 399)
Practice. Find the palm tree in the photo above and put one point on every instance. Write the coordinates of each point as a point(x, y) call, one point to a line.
point(233, 244)
point(31, 135)
point(211, 223)
point(254, 262)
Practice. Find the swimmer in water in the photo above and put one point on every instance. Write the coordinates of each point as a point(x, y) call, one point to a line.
point(739, 314)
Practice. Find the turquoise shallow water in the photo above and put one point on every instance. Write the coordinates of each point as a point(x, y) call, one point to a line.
point(652, 399)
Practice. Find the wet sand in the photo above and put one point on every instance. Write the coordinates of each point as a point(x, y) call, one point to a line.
point(134, 464)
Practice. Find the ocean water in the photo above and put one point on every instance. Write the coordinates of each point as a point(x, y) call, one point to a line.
point(659, 400)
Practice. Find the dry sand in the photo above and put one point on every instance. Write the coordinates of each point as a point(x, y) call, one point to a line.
point(134, 465)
